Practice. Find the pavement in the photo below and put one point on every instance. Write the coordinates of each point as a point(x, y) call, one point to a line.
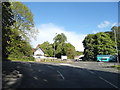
point(63, 75)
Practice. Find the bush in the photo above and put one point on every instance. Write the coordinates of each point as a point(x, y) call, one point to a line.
point(24, 58)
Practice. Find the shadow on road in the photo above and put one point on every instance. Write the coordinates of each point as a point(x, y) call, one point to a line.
point(39, 75)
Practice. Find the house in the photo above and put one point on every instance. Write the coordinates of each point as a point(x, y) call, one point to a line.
point(38, 52)
point(77, 57)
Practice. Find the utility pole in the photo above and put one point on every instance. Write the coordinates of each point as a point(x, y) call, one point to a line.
point(54, 45)
point(116, 46)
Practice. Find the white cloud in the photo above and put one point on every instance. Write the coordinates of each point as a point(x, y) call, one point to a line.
point(48, 31)
point(114, 24)
point(94, 32)
point(104, 24)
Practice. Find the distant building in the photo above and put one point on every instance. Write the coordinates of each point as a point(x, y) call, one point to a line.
point(38, 52)
point(64, 57)
point(77, 57)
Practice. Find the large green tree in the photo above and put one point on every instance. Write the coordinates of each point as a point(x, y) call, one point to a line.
point(60, 38)
point(59, 41)
point(7, 22)
point(63, 48)
point(98, 44)
point(69, 50)
point(47, 48)
point(19, 32)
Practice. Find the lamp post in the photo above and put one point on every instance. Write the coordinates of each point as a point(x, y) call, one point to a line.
point(116, 46)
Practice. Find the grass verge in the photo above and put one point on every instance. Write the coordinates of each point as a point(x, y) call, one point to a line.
point(22, 59)
point(116, 66)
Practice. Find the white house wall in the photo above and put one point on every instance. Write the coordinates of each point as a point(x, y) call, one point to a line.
point(39, 51)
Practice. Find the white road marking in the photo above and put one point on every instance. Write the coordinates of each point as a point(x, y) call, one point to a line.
point(29, 65)
point(35, 78)
point(61, 75)
point(65, 64)
point(58, 72)
point(108, 82)
point(45, 80)
point(91, 72)
point(50, 67)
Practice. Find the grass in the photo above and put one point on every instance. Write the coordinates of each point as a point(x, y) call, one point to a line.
point(42, 60)
point(22, 59)
point(116, 66)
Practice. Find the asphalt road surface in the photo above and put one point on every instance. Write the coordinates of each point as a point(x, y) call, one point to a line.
point(66, 75)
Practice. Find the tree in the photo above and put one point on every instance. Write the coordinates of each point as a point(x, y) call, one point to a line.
point(47, 48)
point(69, 50)
point(62, 48)
point(24, 24)
point(18, 22)
point(7, 21)
point(78, 53)
point(96, 44)
point(60, 38)
point(59, 41)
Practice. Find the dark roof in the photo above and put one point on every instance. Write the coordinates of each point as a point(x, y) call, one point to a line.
point(34, 49)
point(38, 46)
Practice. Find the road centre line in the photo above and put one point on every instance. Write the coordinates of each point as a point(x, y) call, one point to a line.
point(61, 75)
point(104, 80)
point(50, 67)
point(57, 72)
point(108, 82)
point(91, 72)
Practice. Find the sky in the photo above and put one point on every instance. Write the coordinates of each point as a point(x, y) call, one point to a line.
point(75, 19)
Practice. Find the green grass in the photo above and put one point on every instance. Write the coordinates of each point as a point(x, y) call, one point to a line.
point(22, 59)
point(116, 66)
point(42, 60)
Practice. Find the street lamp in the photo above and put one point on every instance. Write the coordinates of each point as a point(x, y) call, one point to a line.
point(116, 45)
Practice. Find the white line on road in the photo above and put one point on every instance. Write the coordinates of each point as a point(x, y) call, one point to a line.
point(65, 64)
point(61, 75)
point(50, 67)
point(58, 72)
point(108, 82)
point(91, 72)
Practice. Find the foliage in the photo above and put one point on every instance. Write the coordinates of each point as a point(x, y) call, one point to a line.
point(60, 38)
point(17, 28)
point(78, 53)
point(96, 44)
point(60, 47)
point(59, 41)
point(69, 50)
point(7, 21)
point(65, 49)
point(22, 59)
point(24, 24)
point(115, 30)
point(47, 48)
point(116, 66)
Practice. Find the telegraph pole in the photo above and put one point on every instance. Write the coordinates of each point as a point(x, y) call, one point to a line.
point(116, 46)
point(54, 46)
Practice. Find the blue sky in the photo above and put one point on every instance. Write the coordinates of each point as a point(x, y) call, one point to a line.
point(75, 19)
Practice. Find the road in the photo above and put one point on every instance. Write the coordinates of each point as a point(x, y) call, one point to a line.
point(66, 75)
